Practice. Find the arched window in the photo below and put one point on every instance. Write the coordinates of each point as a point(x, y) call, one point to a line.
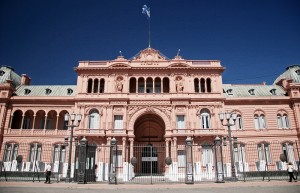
point(10, 151)
point(283, 121)
point(260, 121)
point(166, 85)
point(202, 84)
point(264, 154)
point(96, 85)
point(205, 119)
point(196, 85)
point(102, 83)
point(141, 85)
point(89, 88)
point(149, 85)
point(35, 152)
point(239, 153)
point(59, 153)
point(208, 85)
point(157, 85)
point(288, 151)
point(94, 120)
point(132, 85)
point(263, 121)
point(239, 122)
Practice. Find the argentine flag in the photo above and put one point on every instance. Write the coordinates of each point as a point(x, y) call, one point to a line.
point(146, 11)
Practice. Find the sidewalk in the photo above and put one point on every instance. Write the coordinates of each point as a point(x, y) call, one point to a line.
point(149, 186)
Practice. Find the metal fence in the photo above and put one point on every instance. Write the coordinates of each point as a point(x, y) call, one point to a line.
point(150, 163)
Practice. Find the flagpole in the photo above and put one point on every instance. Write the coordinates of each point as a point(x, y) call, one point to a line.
point(149, 32)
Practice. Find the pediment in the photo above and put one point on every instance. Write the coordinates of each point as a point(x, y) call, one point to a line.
point(149, 55)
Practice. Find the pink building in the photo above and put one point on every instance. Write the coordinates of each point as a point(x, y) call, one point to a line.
point(150, 99)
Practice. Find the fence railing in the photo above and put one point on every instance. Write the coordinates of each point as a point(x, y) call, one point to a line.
point(26, 162)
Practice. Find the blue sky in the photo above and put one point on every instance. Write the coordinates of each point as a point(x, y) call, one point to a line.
point(254, 39)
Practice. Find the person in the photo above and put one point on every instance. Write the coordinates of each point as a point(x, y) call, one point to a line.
point(96, 166)
point(48, 173)
point(290, 169)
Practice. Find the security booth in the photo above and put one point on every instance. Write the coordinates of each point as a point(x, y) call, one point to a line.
point(219, 160)
point(113, 161)
point(84, 169)
point(189, 175)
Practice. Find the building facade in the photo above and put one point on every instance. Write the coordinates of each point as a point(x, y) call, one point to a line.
point(150, 100)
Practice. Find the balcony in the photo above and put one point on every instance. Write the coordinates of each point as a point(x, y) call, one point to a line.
point(36, 132)
point(91, 132)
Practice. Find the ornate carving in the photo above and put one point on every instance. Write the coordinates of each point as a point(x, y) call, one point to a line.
point(149, 109)
point(166, 110)
point(132, 109)
point(149, 56)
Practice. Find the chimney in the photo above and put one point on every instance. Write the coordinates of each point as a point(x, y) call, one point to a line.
point(25, 80)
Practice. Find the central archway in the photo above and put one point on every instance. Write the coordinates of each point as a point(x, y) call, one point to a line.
point(149, 149)
point(149, 128)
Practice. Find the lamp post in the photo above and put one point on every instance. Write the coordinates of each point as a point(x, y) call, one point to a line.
point(72, 118)
point(228, 117)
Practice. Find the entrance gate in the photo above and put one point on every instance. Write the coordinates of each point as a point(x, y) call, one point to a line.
point(89, 163)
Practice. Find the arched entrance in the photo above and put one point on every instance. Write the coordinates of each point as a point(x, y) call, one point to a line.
point(149, 147)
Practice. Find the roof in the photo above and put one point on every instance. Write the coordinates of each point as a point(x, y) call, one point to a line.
point(55, 90)
point(291, 73)
point(259, 90)
point(7, 73)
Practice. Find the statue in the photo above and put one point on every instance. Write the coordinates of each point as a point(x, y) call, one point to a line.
point(119, 84)
point(179, 85)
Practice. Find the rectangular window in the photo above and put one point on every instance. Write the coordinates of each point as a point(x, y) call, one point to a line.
point(207, 155)
point(117, 157)
point(181, 158)
point(118, 121)
point(180, 123)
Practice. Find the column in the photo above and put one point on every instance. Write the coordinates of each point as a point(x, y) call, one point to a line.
point(131, 140)
point(174, 149)
point(161, 86)
point(33, 122)
point(92, 86)
point(22, 122)
point(57, 118)
point(45, 123)
point(153, 85)
point(145, 85)
point(124, 149)
point(136, 85)
point(167, 147)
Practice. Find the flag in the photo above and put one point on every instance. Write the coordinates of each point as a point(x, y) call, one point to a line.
point(146, 11)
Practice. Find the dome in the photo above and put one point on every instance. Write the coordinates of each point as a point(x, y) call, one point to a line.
point(292, 73)
point(7, 73)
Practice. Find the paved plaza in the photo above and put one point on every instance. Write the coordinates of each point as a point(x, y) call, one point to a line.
point(233, 187)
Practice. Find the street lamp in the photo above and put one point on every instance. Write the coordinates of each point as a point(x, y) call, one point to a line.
point(228, 117)
point(72, 118)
